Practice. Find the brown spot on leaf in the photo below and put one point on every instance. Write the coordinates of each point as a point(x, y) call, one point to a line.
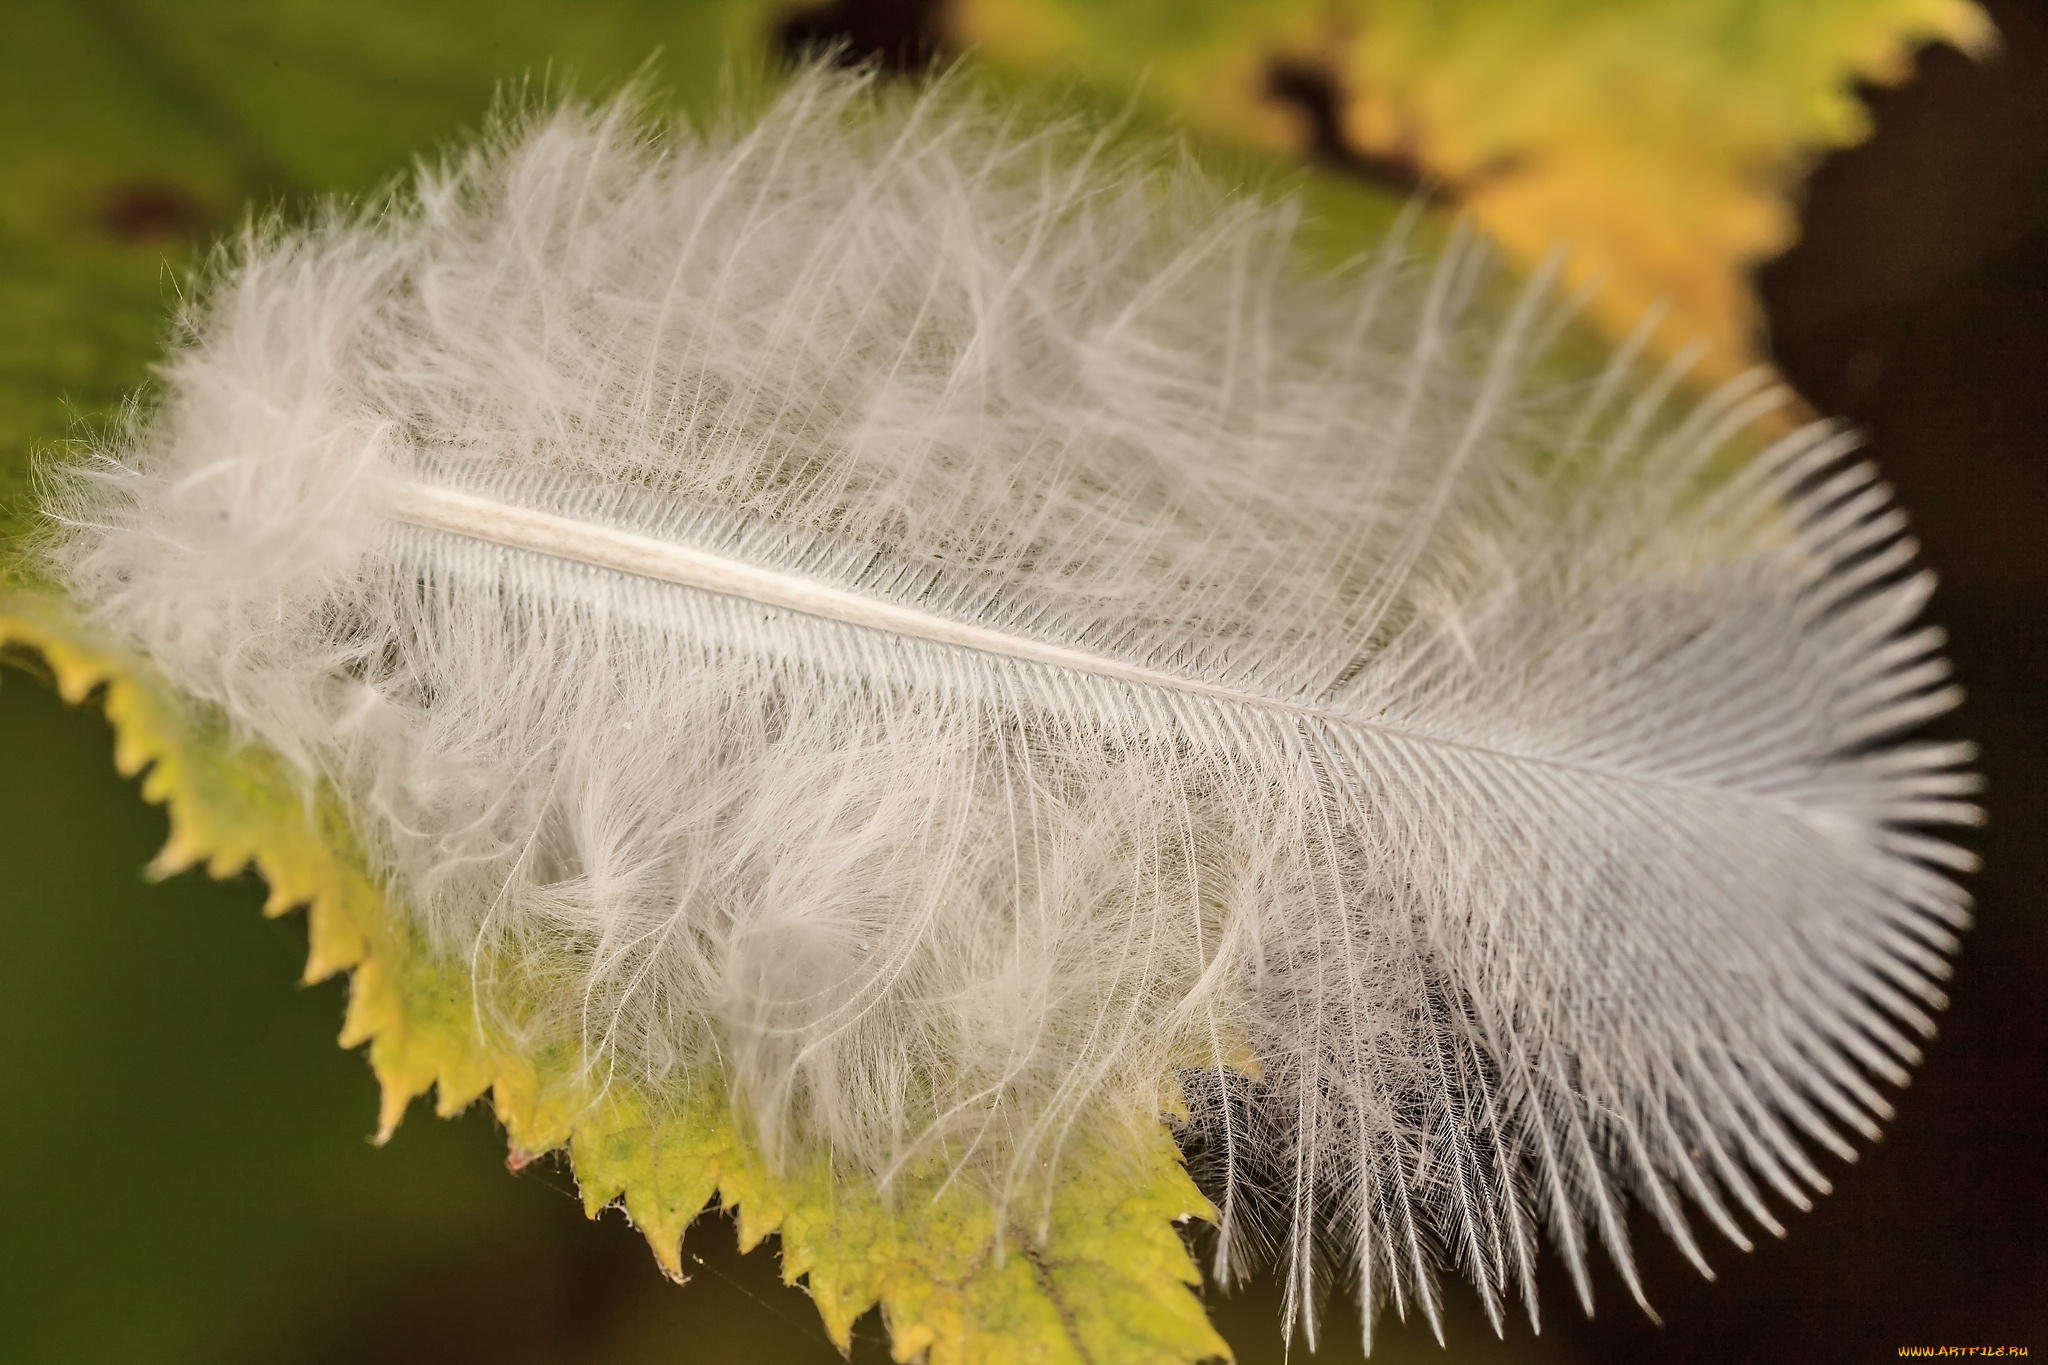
point(902, 35)
point(134, 211)
point(1313, 92)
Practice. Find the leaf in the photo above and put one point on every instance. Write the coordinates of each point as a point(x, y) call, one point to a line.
point(166, 119)
point(1662, 139)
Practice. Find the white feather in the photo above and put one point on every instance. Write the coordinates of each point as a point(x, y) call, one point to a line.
point(951, 626)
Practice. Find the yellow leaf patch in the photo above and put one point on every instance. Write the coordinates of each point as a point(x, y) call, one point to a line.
point(1661, 140)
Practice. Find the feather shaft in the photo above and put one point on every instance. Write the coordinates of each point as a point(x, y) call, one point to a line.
point(605, 547)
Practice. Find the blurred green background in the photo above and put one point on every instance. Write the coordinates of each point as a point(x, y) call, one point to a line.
point(185, 1165)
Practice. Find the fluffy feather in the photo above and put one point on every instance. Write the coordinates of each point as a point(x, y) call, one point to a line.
point(948, 624)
